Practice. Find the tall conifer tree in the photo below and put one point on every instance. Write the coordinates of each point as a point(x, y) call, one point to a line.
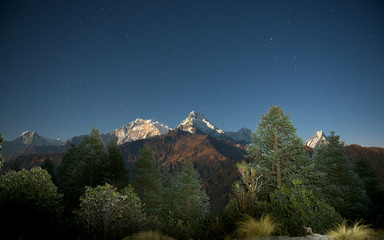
point(83, 165)
point(341, 187)
point(116, 165)
point(1, 159)
point(147, 180)
point(278, 151)
point(191, 201)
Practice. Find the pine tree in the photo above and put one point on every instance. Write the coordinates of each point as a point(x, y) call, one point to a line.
point(94, 157)
point(191, 201)
point(116, 165)
point(341, 187)
point(83, 165)
point(147, 180)
point(1, 158)
point(278, 151)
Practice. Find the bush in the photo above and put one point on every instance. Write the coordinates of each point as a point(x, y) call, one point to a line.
point(149, 235)
point(297, 207)
point(106, 213)
point(177, 228)
point(29, 204)
point(357, 232)
point(250, 228)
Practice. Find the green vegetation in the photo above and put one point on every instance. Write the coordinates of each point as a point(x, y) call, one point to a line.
point(246, 190)
point(105, 213)
point(186, 203)
point(280, 190)
point(147, 181)
point(373, 191)
point(296, 207)
point(116, 166)
point(357, 231)
point(341, 187)
point(1, 158)
point(278, 151)
point(90, 163)
point(29, 202)
point(83, 165)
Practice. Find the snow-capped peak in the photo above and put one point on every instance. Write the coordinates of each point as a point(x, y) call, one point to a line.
point(196, 122)
point(139, 129)
point(312, 142)
point(34, 139)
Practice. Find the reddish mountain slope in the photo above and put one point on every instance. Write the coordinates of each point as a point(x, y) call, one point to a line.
point(213, 158)
point(374, 155)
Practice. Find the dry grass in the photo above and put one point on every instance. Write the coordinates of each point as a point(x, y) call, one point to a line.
point(358, 231)
point(249, 227)
point(148, 235)
point(379, 234)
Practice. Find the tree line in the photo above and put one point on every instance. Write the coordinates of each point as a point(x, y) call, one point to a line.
point(91, 195)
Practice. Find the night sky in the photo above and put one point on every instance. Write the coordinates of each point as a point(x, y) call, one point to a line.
point(68, 65)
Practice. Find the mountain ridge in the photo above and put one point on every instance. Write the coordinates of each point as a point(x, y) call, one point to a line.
point(138, 129)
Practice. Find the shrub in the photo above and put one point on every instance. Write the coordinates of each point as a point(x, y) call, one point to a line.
point(29, 204)
point(249, 227)
point(357, 232)
point(148, 235)
point(297, 207)
point(106, 213)
point(177, 228)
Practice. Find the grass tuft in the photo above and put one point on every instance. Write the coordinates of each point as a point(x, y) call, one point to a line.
point(148, 235)
point(358, 231)
point(249, 227)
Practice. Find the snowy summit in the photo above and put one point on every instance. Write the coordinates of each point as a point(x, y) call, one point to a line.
point(197, 123)
point(312, 142)
point(138, 129)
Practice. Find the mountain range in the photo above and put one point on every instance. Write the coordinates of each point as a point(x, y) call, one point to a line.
point(213, 152)
point(31, 142)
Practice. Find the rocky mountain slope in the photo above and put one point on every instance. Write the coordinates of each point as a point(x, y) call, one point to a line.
point(25, 144)
point(32, 143)
point(136, 130)
point(312, 142)
point(197, 123)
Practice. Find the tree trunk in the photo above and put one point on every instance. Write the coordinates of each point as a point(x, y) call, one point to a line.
point(278, 167)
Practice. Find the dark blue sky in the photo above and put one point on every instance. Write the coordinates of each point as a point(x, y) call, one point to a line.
point(68, 65)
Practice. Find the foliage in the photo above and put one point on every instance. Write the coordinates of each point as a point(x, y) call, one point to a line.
point(29, 202)
point(297, 207)
point(245, 190)
point(1, 158)
point(373, 191)
point(358, 231)
point(187, 204)
point(83, 165)
point(116, 166)
point(105, 213)
point(341, 187)
point(191, 201)
point(279, 152)
point(148, 235)
point(249, 227)
point(147, 181)
point(50, 168)
point(177, 228)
